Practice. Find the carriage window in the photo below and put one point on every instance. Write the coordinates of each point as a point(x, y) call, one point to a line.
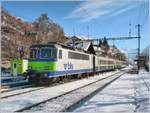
point(33, 53)
point(60, 54)
point(85, 57)
point(47, 52)
point(73, 55)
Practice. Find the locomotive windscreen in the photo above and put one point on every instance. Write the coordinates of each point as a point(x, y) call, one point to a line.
point(43, 52)
point(48, 52)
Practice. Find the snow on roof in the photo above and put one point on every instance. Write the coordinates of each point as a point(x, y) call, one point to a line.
point(84, 45)
point(80, 37)
point(67, 35)
point(84, 38)
point(98, 49)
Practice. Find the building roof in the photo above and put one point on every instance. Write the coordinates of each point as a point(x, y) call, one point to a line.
point(84, 45)
point(98, 50)
point(81, 44)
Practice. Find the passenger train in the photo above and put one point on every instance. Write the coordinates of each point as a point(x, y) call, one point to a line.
point(56, 60)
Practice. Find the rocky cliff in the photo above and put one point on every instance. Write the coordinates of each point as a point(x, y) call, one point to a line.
point(19, 34)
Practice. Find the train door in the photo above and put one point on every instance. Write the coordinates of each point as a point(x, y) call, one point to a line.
point(93, 63)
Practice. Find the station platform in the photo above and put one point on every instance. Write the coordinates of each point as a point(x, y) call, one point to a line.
point(129, 93)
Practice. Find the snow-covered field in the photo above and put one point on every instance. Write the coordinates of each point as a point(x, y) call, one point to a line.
point(129, 93)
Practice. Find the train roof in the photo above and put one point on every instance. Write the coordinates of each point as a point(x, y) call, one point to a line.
point(56, 44)
point(53, 44)
point(50, 44)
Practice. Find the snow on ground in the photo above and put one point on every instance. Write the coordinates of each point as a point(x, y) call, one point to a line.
point(20, 101)
point(61, 103)
point(142, 91)
point(127, 94)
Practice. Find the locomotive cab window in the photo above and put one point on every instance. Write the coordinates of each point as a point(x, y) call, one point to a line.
point(33, 53)
point(48, 52)
point(60, 54)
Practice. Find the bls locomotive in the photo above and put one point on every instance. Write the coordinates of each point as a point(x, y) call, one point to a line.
point(53, 60)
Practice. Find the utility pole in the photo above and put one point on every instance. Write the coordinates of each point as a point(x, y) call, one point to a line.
point(139, 36)
point(130, 30)
point(88, 31)
point(113, 44)
point(74, 33)
point(73, 38)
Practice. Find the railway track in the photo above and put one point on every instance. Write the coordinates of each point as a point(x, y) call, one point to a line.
point(26, 89)
point(6, 89)
point(18, 92)
point(9, 92)
point(9, 83)
point(68, 100)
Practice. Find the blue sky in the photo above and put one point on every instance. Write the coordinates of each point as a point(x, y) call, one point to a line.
point(108, 18)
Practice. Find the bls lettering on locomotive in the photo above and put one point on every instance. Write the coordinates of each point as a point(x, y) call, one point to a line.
point(68, 66)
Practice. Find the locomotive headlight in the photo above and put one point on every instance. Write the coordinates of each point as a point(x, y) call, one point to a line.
point(45, 74)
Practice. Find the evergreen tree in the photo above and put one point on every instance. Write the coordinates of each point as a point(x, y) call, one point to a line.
point(105, 41)
point(100, 43)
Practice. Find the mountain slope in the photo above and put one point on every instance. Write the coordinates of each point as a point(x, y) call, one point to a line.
point(17, 34)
